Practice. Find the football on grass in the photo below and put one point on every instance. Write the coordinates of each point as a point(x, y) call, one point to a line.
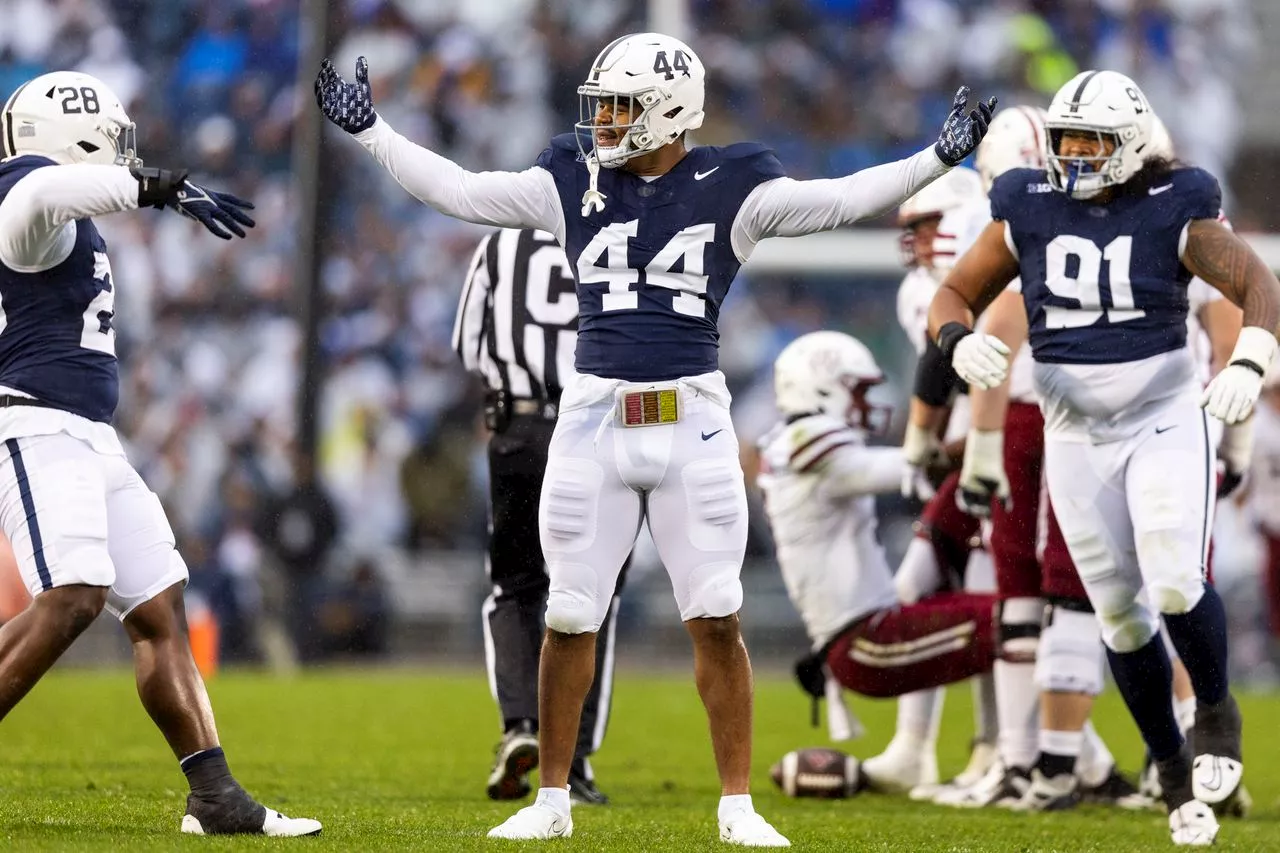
point(817, 772)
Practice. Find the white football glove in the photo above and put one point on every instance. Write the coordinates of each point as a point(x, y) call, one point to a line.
point(981, 360)
point(1231, 395)
point(982, 477)
point(920, 447)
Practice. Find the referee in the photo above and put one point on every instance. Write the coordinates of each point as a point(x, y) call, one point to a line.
point(516, 329)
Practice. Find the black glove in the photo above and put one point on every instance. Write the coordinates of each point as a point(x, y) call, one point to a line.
point(961, 133)
point(1228, 482)
point(348, 105)
point(222, 213)
point(810, 674)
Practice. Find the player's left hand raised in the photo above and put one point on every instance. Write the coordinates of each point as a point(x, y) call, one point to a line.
point(962, 132)
point(348, 105)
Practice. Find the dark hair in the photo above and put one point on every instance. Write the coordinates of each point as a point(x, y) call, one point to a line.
point(1153, 171)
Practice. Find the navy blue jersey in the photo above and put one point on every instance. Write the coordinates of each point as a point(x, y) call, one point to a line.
point(1103, 283)
point(56, 341)
point(653, 267)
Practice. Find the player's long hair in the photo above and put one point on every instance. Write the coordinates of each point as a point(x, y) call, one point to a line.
point(1153, 171)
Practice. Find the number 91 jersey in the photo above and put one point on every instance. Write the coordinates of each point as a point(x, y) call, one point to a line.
point(1103, 282)
point(653, 267)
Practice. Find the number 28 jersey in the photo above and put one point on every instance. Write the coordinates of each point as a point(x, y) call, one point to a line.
point(56, 340)
point(654, 266)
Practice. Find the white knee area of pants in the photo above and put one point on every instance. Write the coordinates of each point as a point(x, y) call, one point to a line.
point(918, 575)
point(714, 591)
point(1070, 658)
point(572, 604)
point(1020, 620)
point(1176, 595)
point(568, 514)
point(1126, 628)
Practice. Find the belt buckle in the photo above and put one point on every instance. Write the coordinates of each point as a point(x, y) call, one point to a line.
point(651, 407)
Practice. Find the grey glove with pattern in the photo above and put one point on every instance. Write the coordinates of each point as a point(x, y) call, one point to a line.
point(348, 105)
point(961, 133)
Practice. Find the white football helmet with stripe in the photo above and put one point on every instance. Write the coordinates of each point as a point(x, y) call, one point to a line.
point(664, 83)
point(68, 117)
point(1016, 139)
point(1111, 106)
point(828, 373)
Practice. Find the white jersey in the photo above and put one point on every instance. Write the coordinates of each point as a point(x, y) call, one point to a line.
point(1199, 294)
point(957, 232)
point(1264, 471)
point(819, 480)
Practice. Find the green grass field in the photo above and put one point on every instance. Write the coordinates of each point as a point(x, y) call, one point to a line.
point(396, 760)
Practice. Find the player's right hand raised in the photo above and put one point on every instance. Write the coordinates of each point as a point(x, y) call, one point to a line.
point(348, 105)
point(982, 477)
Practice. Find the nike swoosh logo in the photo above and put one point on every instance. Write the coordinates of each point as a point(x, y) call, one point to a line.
point(697, 176)
point(1160, 430)
point(710, 435)
point(1215, 781)
point(1158, 190)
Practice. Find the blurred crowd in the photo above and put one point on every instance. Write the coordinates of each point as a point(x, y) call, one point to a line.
point(208, 332)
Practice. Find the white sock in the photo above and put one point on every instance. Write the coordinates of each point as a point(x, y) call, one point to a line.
point(919, 717)
point(1068, 744)
point(1185, 711)
point(986, 722)
point(1095, 761)
point(556, 799)
point(734, 804)
point(1018, 709)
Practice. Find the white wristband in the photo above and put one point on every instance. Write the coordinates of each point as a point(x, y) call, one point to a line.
point(1257, 345)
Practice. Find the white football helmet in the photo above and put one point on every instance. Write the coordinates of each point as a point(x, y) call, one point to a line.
point(1016, 139)
point(1111, 106)
point(954, 189)
point(661, 79)
point(829, 373)
point(68, 117)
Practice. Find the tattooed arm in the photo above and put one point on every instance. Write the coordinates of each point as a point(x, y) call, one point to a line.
point(1219, 256)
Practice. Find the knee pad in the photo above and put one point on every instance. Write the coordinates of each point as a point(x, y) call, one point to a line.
point(572, 604)
point(567, 515)
point(1070, 659)
point(1019, 634)
point(1176, 595)
point(1127, 627)
point(714, 591)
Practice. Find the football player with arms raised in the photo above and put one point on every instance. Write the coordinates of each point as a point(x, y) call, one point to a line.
point(87, 532)
point(1106, 241)
point(655, 232)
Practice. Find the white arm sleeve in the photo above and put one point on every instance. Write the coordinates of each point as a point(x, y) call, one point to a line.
point(468, 327)
point(37, 217)
point(784, 207)
point(859, 470)
point(525, 199)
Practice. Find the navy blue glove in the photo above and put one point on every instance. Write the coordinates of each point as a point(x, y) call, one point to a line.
point(222, 213)
point(348, 105)
point(961, 133)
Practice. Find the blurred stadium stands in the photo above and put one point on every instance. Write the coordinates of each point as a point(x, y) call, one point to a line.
point(208, 334)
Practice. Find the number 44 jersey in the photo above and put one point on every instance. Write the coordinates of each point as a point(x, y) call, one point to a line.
point(1106, 295)
point(654, 265)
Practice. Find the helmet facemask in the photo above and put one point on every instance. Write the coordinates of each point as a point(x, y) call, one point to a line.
point(863, 414)
point(1085, 177)
point(915, 243)
point(632, 139)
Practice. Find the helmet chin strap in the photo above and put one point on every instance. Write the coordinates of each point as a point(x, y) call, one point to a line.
point(593, 199)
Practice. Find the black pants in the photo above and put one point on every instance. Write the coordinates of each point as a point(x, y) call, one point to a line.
point(513, 612)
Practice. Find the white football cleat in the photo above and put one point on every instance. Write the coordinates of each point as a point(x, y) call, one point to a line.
point(896, 771)
point(748, 829)
point(999, 786)
point(534, 823)
point(1215, 779)
point(1049, 793)
point(1192, 824)
point(274, 825)
point(981, 758)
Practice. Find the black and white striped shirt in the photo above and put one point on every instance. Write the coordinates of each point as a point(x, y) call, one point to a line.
point(517, 323)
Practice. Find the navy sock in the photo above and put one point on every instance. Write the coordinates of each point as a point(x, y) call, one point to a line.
point(1200, 636)
point(1145, 680)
